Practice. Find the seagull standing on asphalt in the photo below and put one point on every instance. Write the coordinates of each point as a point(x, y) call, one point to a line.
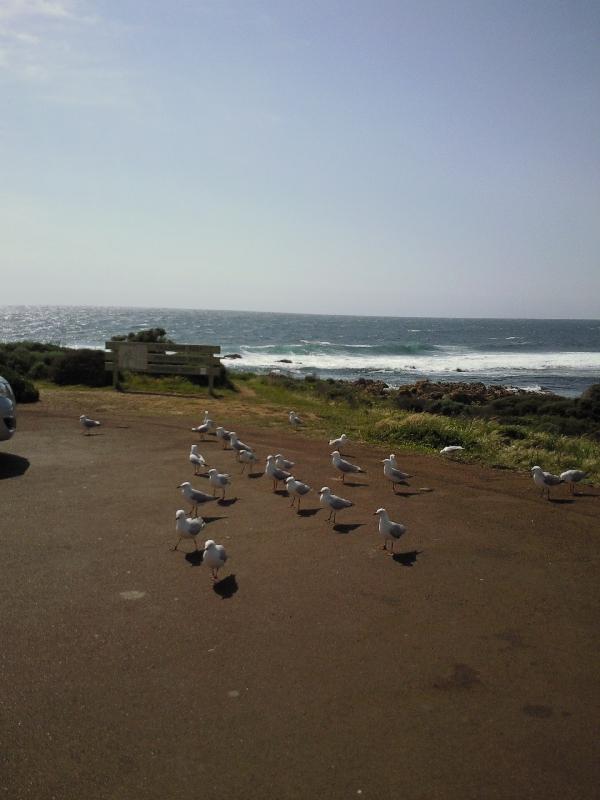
point(334, 502)
point(339, 443)
point(343, 466)
point(283, 463)
point(187, 527)
point(195, 496)
point(214, 557)
point(219, 480)
point(573, 476)
point(88, 424)
point(204, 428)
point(223, 435)
point(394, 475)
point(297, 489)
point(247, 457)
point(236, 444)
point(388, 529)
point(295, 420)
point(544, 480)
point(197, 459)
point(274, 472)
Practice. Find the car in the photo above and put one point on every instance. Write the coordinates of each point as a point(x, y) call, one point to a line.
point(8, 412)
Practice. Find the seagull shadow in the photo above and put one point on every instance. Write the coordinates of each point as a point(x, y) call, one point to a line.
point(560, 500)
point(212, 519)
point(408, 494)
point(255, 474)
point(227, 502)
point(407, 559)
point(281, 492)
point(11, 465)
point(308, 512)
point(195, 558)
point(344, 528)
point(226, 587)
point(354, 485)
point(88, 435)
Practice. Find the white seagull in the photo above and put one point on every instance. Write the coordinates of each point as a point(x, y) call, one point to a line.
point(297, 489)
point(197, 459)
point(345, 467)
point(88, 423)
point(334, 502)
point(283, 463)
point(223, 435)
point(195, 496)
point(392, 474)
point(247, 457)
point(544, 480)
point(294, 419)
point(236, 444)
point(219, 480)
point(573, 476)
point(187, 527)
point(274, 472)
point(340, 442)
point(214, 557)
point(204, 428)
point(388, 529)
point(451, 448)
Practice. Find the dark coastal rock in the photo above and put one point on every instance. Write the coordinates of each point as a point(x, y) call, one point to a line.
point(231, 355)
point(459, 392)
point(284, 361)
point(370, 386)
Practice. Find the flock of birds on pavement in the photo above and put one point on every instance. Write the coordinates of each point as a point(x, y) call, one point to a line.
point(278, 469)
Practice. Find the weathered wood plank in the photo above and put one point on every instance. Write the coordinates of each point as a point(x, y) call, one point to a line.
point(160, 347)
point(181, 358)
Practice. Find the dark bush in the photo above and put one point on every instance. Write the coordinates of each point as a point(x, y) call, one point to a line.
point(25, 391)
point(84, 367)
point(147, 335)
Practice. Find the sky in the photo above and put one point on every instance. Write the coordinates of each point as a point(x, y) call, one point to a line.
point(407, 158)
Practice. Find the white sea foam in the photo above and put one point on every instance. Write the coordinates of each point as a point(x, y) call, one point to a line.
point(442, 361)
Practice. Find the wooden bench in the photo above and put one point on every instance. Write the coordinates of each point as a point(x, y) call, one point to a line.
point(163, 359)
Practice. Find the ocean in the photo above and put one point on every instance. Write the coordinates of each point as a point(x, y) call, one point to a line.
point(561, 356)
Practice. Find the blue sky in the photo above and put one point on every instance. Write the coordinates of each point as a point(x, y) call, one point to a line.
point(403, 158)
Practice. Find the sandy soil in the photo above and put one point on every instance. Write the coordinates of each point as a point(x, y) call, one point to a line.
point(465, 667)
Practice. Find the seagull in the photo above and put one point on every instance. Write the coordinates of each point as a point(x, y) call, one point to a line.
point(388, 529)
point(204, 428)
point(223, 435)
point(394, 463)
point(343, 466)
point(573, 476)
point(195, 496)
point(214, 557)
point(197, 459)
point(282, 462)
point(236, 444)
point(294, 419)
point(340, 442)
point(247, 457)
point(187, 527)
point(219, 480)
point(297, 489)
point(88, 423)
point(333, 501)
point(392, 474)
point(274, 472)
point(452, 448)
point(544, 480)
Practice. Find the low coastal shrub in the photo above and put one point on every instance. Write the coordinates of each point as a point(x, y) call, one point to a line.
point(24, 390)
point(83, 367)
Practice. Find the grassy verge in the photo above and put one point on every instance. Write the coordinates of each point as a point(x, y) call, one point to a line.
point(377, 420)
point(517, 441)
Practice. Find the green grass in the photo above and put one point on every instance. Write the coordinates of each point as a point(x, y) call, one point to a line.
point(378, 421)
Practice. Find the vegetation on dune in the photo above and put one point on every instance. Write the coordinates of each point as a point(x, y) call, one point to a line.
point(494, 425)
